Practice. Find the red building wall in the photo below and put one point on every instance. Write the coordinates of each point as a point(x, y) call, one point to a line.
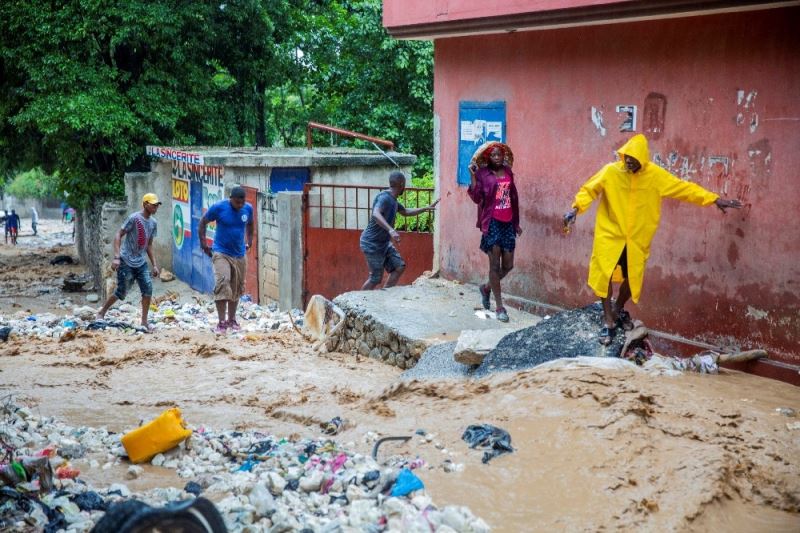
point(729, 88)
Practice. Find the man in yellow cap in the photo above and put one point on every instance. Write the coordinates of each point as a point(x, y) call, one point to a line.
point(627, 220)
point(129, 261)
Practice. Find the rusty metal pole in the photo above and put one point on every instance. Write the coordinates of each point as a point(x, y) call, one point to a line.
point(346, 133)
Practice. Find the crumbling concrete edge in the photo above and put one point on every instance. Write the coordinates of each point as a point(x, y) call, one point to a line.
point(364, 335)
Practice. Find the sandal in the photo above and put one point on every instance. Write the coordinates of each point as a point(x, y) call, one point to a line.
point(501, 314)
point(485, 296)
point(624, 320)
point(606, 335)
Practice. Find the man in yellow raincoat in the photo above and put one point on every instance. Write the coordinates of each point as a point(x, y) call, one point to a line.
point(627, 220)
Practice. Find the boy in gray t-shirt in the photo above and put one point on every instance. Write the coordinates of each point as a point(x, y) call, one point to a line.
point(133, 240)
point(376, 240)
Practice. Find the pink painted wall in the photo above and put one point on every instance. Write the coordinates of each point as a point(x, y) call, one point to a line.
point(405, 12)
point(725, 279)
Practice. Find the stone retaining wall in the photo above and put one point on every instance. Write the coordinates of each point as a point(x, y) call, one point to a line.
point(364, 335)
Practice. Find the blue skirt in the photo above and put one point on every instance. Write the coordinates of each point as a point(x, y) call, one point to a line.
point(501, 234)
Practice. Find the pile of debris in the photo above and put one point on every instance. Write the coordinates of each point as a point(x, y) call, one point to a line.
point(260, 482)
point(165, 313)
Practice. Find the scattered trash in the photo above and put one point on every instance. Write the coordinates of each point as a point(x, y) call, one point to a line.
point(786, 411)
point(494, 440)
point(334, 427)
point(33, 474)
point(407, 482)
point(292, 485)
point(157, 436)
point(92, 298)
point(166, 275)
point(792, 425)
point(74, 283)
point(5, 331)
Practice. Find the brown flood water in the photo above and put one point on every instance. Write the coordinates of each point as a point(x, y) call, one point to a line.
point(594, 449)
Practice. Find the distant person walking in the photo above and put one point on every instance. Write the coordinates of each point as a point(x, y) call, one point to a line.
point(627, 220)
point(12, 226)
point(64, 207)
point(379, 239)
point(138, 233)
point(233, 237)
point(493, 189)
point(34, 220)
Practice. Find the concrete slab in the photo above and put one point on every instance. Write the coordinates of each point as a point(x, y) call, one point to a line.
point(398, 324)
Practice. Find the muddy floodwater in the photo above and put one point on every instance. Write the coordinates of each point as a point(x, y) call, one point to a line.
point(594, 449)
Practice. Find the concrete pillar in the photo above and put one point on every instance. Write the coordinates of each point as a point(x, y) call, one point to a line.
point(290, 250)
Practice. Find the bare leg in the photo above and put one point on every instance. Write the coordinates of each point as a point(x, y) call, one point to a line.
point(232, 304)
point(106, 306)
point(609, 316)
point(623, 296)
point(495, 274)
point(394, 276)
point(221, 306)
point(145, 309)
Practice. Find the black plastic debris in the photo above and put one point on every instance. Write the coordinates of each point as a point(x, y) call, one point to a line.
point(89, 501)
point(62, 260)
point(195, 516)
point(492, 439)
point(5, 331)
point(193, 488)
point(103, 324)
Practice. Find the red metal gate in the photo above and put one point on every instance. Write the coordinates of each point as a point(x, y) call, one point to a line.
point(334, 217)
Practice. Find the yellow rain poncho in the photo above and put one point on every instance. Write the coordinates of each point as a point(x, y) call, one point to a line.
point(629, 211)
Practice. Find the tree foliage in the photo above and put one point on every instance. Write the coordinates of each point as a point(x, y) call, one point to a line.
point(33, 184)
point(86, 84)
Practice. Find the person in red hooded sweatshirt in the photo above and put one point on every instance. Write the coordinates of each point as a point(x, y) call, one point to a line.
point(492, 189)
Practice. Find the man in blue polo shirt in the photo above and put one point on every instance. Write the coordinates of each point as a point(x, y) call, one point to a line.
point(233, 237)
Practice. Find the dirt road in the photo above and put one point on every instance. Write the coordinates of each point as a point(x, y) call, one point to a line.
point(594, 449)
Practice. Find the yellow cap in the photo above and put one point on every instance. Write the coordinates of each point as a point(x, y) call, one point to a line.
point(151, 198)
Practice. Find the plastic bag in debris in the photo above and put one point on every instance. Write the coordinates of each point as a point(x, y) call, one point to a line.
point(494, 440)
point(407, 482)
point(198, 515)
point(29, 473)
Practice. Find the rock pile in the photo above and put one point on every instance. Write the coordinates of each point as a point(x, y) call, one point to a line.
point(260, 482)
point(364, 335)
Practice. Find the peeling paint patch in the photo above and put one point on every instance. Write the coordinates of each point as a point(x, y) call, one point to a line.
point(655, 113)
point(597, 120)
point(757, 314)
point(746, 104)
point(629, 120)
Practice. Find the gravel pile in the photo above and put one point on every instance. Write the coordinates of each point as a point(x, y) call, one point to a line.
point(259, 482)
point(564, 335)
point(437, 363)
point(567, 334)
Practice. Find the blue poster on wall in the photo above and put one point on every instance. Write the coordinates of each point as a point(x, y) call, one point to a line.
point(478, 122)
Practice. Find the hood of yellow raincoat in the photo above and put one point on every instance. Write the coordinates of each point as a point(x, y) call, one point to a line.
point(636, 147)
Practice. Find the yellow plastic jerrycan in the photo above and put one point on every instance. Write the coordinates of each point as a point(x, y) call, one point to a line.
point(159, 435)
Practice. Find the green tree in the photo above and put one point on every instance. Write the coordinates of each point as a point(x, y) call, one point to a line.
point(33, 184)
point(87, 83)
point(341, 67)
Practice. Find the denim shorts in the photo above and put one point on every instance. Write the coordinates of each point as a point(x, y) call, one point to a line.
point(378, 262)
point(127, 274)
